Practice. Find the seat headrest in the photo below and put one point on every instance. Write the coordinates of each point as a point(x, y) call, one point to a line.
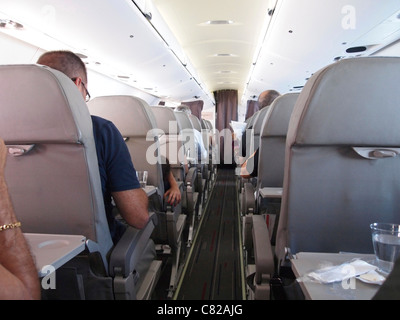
point(277, 121)
point(131, 115)
point(353, 101)
point(166, 120)
point(195, 122)
point(257, 126)
point(184, 120)
point(44, 90)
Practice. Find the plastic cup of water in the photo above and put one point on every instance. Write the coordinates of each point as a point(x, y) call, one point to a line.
point(386, 243)
point(142, 177)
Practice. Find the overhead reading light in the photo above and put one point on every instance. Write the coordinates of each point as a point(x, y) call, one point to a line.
point(219, 22)
point(224, 55)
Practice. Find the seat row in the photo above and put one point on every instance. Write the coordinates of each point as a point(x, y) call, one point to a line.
point(328, 168)
point(54, 183)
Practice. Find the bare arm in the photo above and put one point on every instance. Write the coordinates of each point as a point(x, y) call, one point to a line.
point(133, 207)
point(244, 173)
point(173, 195)
point(18, 274)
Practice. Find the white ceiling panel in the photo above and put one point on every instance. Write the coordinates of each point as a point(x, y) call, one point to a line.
point(171, 50)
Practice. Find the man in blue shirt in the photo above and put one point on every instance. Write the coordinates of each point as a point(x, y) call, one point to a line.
point(118, 176)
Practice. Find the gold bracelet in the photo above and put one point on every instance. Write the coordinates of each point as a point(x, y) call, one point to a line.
point(10, 226)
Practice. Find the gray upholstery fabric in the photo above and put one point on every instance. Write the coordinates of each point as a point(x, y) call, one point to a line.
point(331, 195)
point(258, 125)
point(171, 145)
point(55, 188)
point(134, 119)
point(273, 141)
point(166, 120)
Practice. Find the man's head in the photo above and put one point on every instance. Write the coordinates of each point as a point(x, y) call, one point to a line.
point(70, 64)
point(183, 108)
point(266, 98)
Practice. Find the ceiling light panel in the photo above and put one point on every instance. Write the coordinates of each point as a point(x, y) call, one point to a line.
point(207, 28)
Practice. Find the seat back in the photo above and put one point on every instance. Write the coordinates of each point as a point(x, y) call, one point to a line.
point(195, 122)
point(257, 126)
point(247, 139)
point(273, 141)
point(134, 119)
point(52, 170)
point(187, 135)
point(213, 142)
point(167, 122)
point(183, 120)
point(170, 143)
point(340, 173)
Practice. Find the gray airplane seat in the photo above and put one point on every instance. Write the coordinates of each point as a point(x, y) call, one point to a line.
point(265, 197)
point(208, 133)
point(248, 145)
point(54, 183)
point(171, 146)
point(273, 141)
point(202, 164)
point(178, 140)
point(258, 125)
point(135, 120)
point(342, 169)
point(187, 137)
point(189, 146)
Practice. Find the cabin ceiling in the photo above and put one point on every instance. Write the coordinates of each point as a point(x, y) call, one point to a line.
point(219, 38)
point(169, 49)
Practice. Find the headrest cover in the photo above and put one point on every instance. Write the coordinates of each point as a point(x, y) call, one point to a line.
point(131, 115)
point(44, 90)
point(277, 121)
point(354, 101)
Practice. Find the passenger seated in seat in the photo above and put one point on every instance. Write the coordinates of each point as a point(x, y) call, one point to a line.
point(202, 153)
point(250, 166)
point(117, 173)
point(172, 192)
point(18, 275)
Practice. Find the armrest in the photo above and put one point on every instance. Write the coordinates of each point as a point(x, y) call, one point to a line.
point(248, 201)
point(191, 176)
point(268, 192)
point(126, 254)
point(264, 258)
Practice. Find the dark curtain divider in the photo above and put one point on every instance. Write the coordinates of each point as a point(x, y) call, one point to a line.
point(252, 108)
point(226, 111)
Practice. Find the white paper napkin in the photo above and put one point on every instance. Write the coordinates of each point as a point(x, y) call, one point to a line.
point(341, 272)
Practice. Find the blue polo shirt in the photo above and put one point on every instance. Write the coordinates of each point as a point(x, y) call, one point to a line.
point(117, 172)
